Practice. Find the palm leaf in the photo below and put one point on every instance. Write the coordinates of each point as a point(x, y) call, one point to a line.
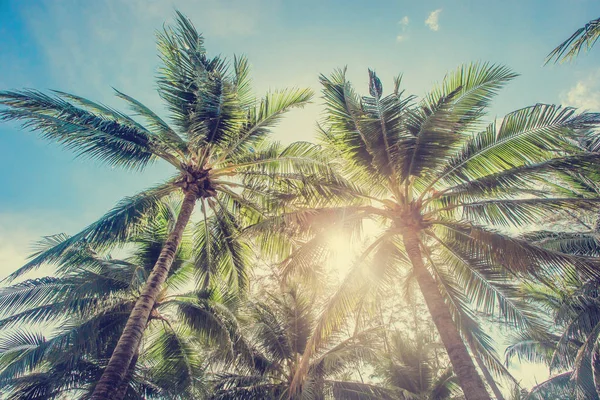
point(262, 117)
point(526, 136)
point(582, 38)
point(578, 243)
point(113, 140)
point(114, 227)
point(516, 255)
point(155, 123)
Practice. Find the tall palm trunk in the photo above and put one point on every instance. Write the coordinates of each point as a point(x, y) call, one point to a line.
point(129, 341)
point(468, 378)
point(122, 390)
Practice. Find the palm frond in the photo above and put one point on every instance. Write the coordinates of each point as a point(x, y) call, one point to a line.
point(243, 82)
point(272, 334)
point(557, 385)
point(355, 351)
point(523, 177)
point(474, 85)
point(524, 346)
point(262, 117)
point(200, 93)
point(210, 321)
point(577, 243)
point(490, 289)
point(518, 212)
point(516, 255)
point(219, 249)
point(172, 352)
point(155, 124)
point(114, 227)
point(23, 351)
point(444, 385)
point(344, 122)
point(19, 352)
point(583, 38)
point(585, 368)
point(384, 126)
point(107, 137)
point(530, 135)
point(438, 126)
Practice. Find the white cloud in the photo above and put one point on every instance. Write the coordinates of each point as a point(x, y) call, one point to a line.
point(432, 20)
point(404, 26)
point(585, 94)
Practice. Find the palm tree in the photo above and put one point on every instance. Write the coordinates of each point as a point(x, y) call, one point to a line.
point(433, 177)
point(279, 328)
point(216, 145)
point(582, 38)
point(87, 304)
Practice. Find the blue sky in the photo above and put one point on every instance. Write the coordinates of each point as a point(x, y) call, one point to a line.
point(85, 47)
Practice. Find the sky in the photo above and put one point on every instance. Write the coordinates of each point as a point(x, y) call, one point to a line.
point(88, 47)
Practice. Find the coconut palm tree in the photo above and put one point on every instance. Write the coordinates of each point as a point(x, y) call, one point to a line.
point(582, 38)
point(85, 307)
point(434, 178)
point(279, 328)
point(216, 144)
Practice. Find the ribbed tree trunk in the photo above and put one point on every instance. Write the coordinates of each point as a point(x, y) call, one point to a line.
point(130, 339)
point(122, 391)
point(488, 377)
point(462, 364)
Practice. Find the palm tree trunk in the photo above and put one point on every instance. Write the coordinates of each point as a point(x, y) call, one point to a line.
point(132, 334)
point(488, 377)
point(122, 391)
point(468, 378)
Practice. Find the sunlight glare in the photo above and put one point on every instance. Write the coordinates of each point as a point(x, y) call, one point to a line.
point(345, 250)
point(342, 254)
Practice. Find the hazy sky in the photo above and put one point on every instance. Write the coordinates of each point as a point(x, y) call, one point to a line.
point(87, 47)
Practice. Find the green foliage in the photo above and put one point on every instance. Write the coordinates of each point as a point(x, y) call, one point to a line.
point(428, 168)
point(411, 367)
point(278, 330)
point(219, 129)
point(89, 301)
point(582, 39)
